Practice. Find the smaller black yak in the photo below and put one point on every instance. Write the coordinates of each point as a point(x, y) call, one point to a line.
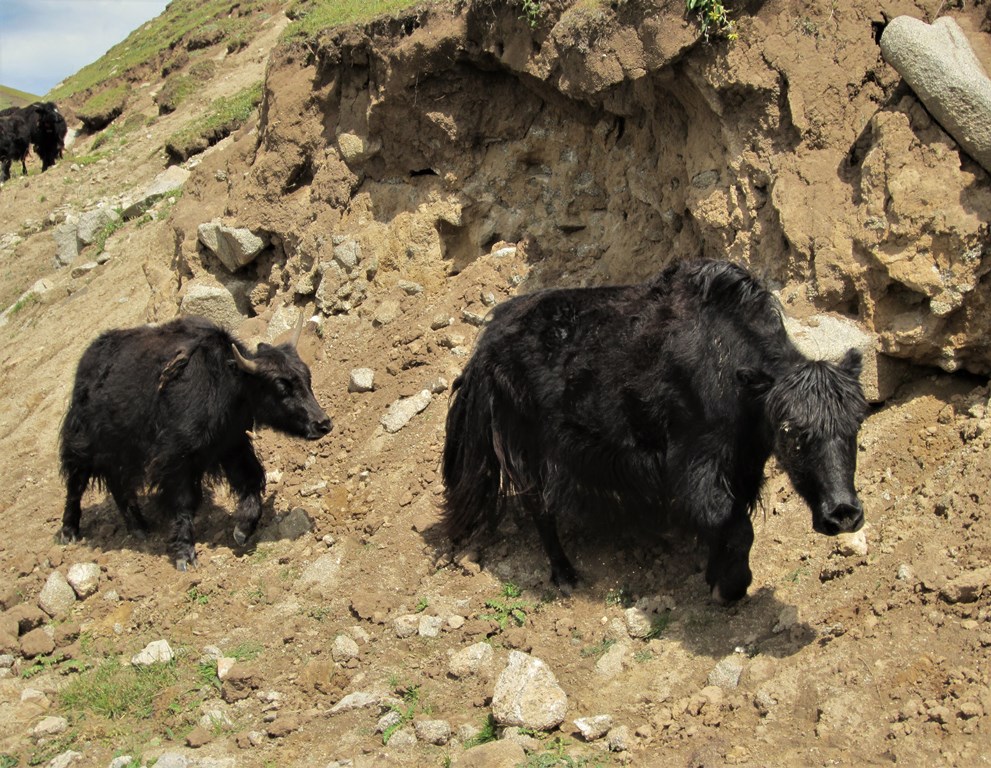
point(164, 406)
point(39, 124)
point(664, 399)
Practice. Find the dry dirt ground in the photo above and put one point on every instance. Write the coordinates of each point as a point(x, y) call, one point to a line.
point(871, 657)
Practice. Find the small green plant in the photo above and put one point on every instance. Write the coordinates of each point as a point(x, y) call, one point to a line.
point(619, 597)
point(114, 691)
point(598, 649)
point(224, 116)
point(27, 300)
point(713, 18)
point(489, 732)
point(8, 761)
point(508, 607)
point(531, 12)
point(206, 673)
point(411, 699)
point(246, 651)
point(658, 624)
point(421, 605)
point(195, 596)
point(643, 656)
point(100, 241)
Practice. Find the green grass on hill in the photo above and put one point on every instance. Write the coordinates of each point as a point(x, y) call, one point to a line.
point(11, 97)
point(311, 16)
point(179, 19)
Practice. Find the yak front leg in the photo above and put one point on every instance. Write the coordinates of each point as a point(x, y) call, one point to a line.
point(246, 477)
point(543, 507)
point(184, 496)
point(127, 502)
point(728, 572)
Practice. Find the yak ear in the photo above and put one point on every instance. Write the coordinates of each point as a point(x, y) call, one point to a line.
point(754, 381)
point(852, 362)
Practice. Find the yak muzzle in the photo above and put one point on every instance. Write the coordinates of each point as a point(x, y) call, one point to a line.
point(319, 428)
point(841, 518)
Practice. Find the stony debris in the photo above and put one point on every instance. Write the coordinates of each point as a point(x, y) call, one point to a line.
point(403, 410)
point(84, 578)
point(938, 63)
point(356, 700)
point(471, 660)
point(156, 652)
point(205, 297)
point(853, 544)
point(50, 726)
point(361, 380)
point(528, 695)
point(967, 587)
point(493, 754)
point(92, 223)
point(432, 731)
point(619, 739)
point(726, 674)
point(344, 649)
point(235, 247)
point(595, 727)
point(57, 598)
point(169, 181)
point(37, 642)
point(66, 760)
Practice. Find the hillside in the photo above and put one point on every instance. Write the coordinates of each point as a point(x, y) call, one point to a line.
point(11, 97)
point(403, 173)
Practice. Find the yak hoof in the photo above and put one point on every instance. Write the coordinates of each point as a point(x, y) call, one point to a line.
point(239, 537)
point(565, 578)
point(720, 599)
point(184, 564)
point(67, 537)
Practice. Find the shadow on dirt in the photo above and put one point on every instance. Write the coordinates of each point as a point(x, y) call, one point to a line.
point(103, 526)
point(662, 573)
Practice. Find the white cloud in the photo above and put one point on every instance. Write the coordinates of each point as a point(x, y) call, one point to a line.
point(44, 41)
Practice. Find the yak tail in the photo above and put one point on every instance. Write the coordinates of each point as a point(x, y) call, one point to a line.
point(472, 468)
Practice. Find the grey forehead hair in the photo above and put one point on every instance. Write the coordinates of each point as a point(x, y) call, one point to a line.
point(818, 397)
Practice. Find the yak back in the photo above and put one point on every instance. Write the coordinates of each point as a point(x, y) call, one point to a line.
point(154, 400)
point(634, 390)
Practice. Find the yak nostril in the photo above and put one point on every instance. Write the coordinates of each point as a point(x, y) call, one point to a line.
point(847, 517)
point(324, 427)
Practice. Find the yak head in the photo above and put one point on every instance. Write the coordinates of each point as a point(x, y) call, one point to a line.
point(815, 411)
point(280, 390)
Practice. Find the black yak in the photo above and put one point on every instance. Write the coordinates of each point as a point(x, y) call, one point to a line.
point(40, 124)
point(665, 399)
point(164, 406)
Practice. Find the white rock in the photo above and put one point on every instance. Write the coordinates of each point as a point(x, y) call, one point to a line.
point(852, 544)
point(344, 649)
point(233, 246)
point(356, 700)
point(528, 695)
point(593, 728)
point(470, 660)
point(224, 666)
point(406, 626)
point(433, 731)
point(84, 578)
point(156, 652)
point(50, 726)
point(430, 626)
point(939, 64)
point(402, 411)
point(67, 759)
point(726, 674)
point(361, 380)
point(123, 761)
point(57, 598)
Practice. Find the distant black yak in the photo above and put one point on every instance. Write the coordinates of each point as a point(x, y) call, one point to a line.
point(40, 124)
point(666, 399)
point(165, 405)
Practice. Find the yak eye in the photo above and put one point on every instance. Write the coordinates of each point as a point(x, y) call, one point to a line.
point(284, 385)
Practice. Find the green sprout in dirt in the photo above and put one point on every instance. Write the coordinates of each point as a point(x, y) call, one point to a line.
point(598, 649)
point(508, 608)
point(406, 711)
point(713, 18)
point(489, 732)
point(531, 12)
point(658, 624)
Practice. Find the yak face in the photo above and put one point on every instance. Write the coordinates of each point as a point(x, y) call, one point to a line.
point(281, 393)
point(815, 411)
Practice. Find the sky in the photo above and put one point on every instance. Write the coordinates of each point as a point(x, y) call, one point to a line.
point(44, 41)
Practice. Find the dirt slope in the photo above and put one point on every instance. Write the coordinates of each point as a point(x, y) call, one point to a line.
point(469, 157)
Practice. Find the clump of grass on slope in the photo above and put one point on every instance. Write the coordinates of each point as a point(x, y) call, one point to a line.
point(143, 45)
point(225, 116)
point(311, 16)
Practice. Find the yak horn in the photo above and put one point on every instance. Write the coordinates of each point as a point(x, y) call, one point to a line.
point(250, 366)
point(299, 328)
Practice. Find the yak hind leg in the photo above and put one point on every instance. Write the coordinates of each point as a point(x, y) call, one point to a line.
point(246, 477)
point(75, 485)
point(184, 497)
point(126, 499)
point(728, 571)
point(542, 508)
